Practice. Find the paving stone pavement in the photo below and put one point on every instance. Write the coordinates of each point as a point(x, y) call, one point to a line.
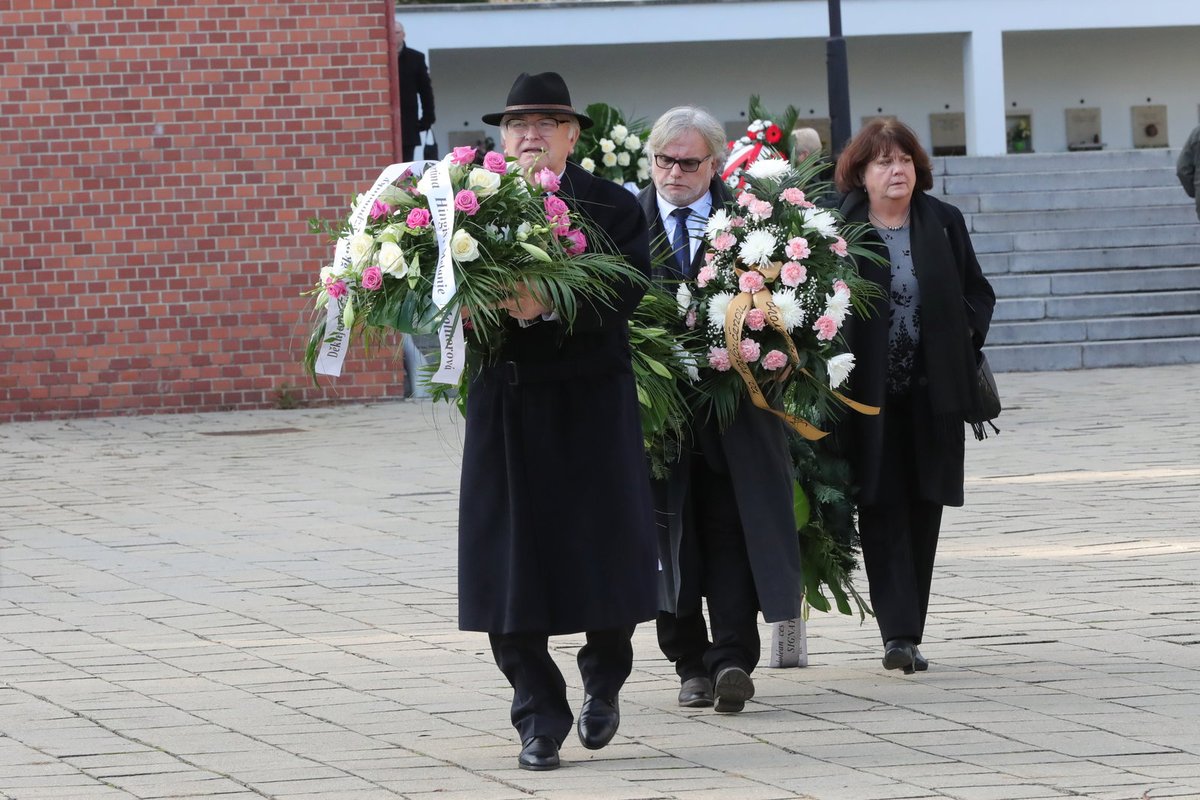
point(262, 605)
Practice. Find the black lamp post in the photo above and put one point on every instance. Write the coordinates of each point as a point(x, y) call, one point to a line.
point(839, 81)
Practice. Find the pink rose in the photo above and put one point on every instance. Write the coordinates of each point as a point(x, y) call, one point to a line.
point(774, 360)
point(337, 289)
point(756, 319)
point(750, 350)
point(793, 196)
point(839, 247)
point(690, 319)
point(737, 222)
point(761, 209)
point(751, 281)
point(546, 179)
point(561, 228)
point(466, 201)
point(555, 207)
point(724, 241)
point(372, 278)
point(718, 359)
point(793, 274)
point(462, 155)
point(826, 327)
point(380, 209)
point(797, 248)
point(706, 274)
point(495, 162)
point(745, 198)
point(576, 242)
point(418, 218)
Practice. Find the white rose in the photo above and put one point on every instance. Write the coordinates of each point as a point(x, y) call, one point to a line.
point(643, 163)
point(607, 146)
point(633, 143)
point(642, 174)
point(609, 159)
point(623, 159)
point(588, 164)
point(463, 247)
point(424, 184)
point(361, 246)
point(484, 183)
point(618, 133)
point(391, 259)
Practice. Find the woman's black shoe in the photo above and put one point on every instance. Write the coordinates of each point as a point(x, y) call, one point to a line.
point(539, 753)
point(898, 654)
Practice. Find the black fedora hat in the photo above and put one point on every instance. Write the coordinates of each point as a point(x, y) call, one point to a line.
point(544, 93)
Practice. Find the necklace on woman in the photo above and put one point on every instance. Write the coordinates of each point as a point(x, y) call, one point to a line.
point(880, 223)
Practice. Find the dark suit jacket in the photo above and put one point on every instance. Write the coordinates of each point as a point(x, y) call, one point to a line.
point(753, 452)
point(414, 83)
point(556, 521)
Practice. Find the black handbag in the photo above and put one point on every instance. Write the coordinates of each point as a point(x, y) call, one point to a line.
point(429, 150)
point(989, 400)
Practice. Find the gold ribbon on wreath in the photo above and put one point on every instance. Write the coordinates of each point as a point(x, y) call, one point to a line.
point(735, 321)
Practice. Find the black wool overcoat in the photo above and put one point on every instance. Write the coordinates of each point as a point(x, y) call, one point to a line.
point(938, 233)
point(414, 83)
point(556, 526)
point(753, 452)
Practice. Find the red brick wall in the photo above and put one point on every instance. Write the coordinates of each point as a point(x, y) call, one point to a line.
point(159, 160)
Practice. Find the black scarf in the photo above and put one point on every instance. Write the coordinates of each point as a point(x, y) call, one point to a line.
point(947, 354)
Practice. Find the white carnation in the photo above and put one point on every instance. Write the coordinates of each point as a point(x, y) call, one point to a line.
point(718, 304)
point(768, 168)
point(821, 220)
point(791, 313)
point(840, 367)
point(683, 296)
point(609, 159)
point(623, 159)
point(588, 164)
point(718, 223)
point(607, 146)
point(758, 247)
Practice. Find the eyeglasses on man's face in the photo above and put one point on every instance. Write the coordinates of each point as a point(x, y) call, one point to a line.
point(685, 164)
point(545, 126)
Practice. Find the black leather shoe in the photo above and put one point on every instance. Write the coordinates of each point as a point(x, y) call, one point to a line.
point(598, 721)
point(696, 693)
point(732, 689)
point(539, 753)
point(898, 654)
point(920, 662)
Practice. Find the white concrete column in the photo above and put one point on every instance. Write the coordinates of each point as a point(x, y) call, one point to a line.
point(983, 90)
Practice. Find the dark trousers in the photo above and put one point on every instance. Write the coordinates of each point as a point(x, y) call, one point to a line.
point(540, 706)
point(899, 535)
point(719, 569)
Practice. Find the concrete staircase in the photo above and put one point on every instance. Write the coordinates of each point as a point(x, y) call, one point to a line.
point(1095, 257)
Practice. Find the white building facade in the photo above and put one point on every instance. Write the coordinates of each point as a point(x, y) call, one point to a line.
point(971, 75)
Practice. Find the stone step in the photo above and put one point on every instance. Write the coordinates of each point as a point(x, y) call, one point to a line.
point(1067, 181)
point(1080, 219)
point(1090, 260)
point(1133, 280)
point(1139, 197)
point(1138, 237)
point(1096, 305)
point(1091, 355)
point(1067, 331)
point(1056, 162)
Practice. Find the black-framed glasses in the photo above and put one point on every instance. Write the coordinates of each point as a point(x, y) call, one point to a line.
point(685, 164)
point(545, 126)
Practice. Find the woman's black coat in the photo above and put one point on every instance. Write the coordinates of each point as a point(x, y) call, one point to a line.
point(941, 245)
point(556, 525)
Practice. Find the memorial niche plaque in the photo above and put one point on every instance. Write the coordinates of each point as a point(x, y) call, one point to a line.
point(1149, 126)
point(1083, 129)
point(948, 133)
point(469, 139)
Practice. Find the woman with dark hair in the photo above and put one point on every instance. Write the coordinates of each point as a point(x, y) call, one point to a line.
point(916, 356)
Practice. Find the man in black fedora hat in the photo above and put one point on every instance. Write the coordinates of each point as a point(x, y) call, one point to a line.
point(556, 526)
